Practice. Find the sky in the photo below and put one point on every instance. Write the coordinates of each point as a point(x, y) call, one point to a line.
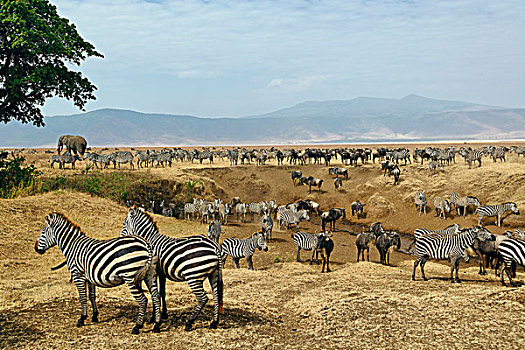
point(236, 58)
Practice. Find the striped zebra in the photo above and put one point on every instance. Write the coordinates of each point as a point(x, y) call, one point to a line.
point(435, 166)
point(401, 154)
point(305, 241)
point(122, 157)
point(452, 229)
point(214, 230)
point(451, 247)
point(290, 217)
point(142, 157)
point(243, 248)
point(466, 201)
point(103, 263)
point(442, 205)
point(474, 155)
point(240, 209)
point(421, 201)
point(192, 259)
point(498, 153)
point(512, 251)
point(257, 208)
point(496, 210)
point(191, 209)
point(267, 226)
point(454, 196)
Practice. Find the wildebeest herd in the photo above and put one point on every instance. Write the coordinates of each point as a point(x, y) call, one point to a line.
point(143, 254)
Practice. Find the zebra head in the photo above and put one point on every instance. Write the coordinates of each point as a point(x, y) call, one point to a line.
point(260, 240)
point(134, 222)
point(514, 208)
point(47, 238)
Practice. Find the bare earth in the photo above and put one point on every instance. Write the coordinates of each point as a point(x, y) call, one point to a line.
point(282, 304)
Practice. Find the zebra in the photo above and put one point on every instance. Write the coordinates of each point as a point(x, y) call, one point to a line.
point(240, 209)
point(267, 226)
point(434, 166)
point(421, 201)
point(192, 259)
point(106, 159)
point(512, 251)
point(257, 208)
point(93, 157)
point(402, 154)
point(474, 155)
point(451, 247)
point(244, 248)
point(142, 157)
point(224, 211)
point(465, 202)
point(496, 210)
point(305, 241)
point(452, 229)
point(454, 196)
point(122, 157)
point(498, 153)
point(103, 263)
point(190, 209)
point(214, 230)
point(290, 217)
point(442, 205)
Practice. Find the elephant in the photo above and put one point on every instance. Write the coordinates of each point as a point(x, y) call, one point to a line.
point(75, 144)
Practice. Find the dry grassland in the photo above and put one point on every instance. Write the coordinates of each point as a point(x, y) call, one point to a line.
point(280, 305)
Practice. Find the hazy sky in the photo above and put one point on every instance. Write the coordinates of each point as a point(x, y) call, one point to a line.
point(234, 58)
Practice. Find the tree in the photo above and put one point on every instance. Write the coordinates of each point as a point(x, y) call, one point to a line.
point(35, 49)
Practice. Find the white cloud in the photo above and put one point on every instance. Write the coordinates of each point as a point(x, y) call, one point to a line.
point(296, 84)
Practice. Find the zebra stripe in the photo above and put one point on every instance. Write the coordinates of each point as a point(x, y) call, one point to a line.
point(421, 201)
point(267, 226)
point(244, 248)
point(465, 202)
point(442, 205)
point(103, 263)
point(513, 252)
point(291, 217)
point(452, 247)
point(496, 210)
point(474, 155)
point(192, 259)
point(305, 241)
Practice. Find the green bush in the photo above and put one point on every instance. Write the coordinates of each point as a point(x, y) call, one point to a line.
point(17, 178)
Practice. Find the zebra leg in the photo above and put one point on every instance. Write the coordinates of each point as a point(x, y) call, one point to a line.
point(80, 283)
point(162, 292)
point(214, 283)
point(236, 262)
point(151, 283)
point(250, 262)
point(298, 255)
point(138, 294)
point(423, 262)
point(92, 299)
point(196, 287)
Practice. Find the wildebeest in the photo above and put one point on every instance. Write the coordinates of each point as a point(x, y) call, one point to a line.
point(332, 216)
point(357, 208)
point(296, 175)
point(385, 243)
point(362, 241)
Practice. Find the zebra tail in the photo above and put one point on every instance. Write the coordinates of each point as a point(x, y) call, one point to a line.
point(150, 264)
point(220, 285)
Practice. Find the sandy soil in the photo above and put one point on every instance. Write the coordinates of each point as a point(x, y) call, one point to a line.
point(282, 304)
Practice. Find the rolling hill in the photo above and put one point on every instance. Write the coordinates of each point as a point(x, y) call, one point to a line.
point(363, 119)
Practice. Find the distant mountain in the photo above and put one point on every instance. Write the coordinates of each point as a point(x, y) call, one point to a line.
point(363, 119)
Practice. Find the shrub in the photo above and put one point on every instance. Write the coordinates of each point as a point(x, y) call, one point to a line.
point(17, 178)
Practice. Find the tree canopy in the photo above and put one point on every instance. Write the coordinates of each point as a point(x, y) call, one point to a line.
point(36, 47)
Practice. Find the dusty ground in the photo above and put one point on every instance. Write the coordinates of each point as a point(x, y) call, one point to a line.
point(282, 304)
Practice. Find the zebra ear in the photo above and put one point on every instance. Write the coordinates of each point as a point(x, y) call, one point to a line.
point(48, 219)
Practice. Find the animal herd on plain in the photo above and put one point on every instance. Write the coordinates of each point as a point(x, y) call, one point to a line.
point(143, 254)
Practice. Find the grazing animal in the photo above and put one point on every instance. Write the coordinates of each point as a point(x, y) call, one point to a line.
point(291, 217)
point(267, 226)
point(396, 172)
point(357, 208)
point(452, 229)
point(310, 241)
point(385, 243)
point(496, 210)
point(474, 155)
point(434, 166)
point(240, 209)
point(338, 183)
point(191, 209)
point(214, 230)
point(441, 206)
point(325, 246)
point(441, 246)
point(122, 157)
point(421, 201)
point(331, 217)
point(224, 211)
point(311, 181)
point(377, 228)
point(338, 171)
point(244, 248)
point(362, 242)
point(465, 202)
point(512, 251)
point(73, 144)
point(192, 259)
point(109, 263)
point(387, 167)
point(486, 251)
point(454, 196)
point(296, 175)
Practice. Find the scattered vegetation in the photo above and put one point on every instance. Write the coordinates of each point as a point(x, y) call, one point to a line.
point(17, 178)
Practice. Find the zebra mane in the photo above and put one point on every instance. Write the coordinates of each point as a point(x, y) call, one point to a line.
point(69, 223)
point(147, 215)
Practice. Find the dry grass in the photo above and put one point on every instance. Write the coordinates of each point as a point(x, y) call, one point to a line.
point(280, 305)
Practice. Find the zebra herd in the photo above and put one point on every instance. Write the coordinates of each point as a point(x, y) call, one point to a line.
point(461, 204)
